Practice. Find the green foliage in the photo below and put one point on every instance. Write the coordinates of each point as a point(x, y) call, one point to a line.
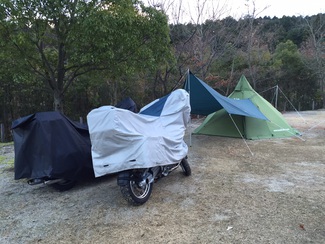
point(294, 77)
point(120, 39)
point(90, 53)
point(62, 40)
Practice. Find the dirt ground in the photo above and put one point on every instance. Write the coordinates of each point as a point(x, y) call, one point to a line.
point(276, 195)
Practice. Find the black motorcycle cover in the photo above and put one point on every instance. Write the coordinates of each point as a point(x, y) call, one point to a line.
point(48, 144)
point(128, 104)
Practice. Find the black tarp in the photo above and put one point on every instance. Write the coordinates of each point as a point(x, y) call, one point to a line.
point(48, 144)
point(127, 104)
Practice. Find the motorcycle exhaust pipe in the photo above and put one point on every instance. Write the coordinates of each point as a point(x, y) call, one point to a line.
point(50, 182)
point(35, 181)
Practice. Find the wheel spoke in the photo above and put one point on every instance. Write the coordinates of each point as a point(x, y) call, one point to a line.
point(135, 189)
point(138, 191)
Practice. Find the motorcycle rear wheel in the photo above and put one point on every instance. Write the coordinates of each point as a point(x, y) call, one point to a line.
point(132, 192)
point(65, 185)
point(186, 167)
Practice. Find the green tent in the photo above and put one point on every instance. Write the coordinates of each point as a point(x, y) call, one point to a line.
point(222, 124)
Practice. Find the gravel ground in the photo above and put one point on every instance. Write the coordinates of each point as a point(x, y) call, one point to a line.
point(275, 195)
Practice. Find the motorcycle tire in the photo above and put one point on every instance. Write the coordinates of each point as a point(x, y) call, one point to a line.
point(131, 191)
point(65, 185)
point(186, 167)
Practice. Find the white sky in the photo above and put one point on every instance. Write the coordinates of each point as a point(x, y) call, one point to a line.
point(187, 10)
point(279, 8)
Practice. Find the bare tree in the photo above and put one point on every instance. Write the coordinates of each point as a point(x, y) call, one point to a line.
point(252, 14)
point(195, 12)
point(195, 36)
point(315, 49)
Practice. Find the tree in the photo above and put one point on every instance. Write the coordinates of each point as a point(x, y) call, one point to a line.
point(314, 49)
point(61, 40)
point(250, 35)
point(296, 80)
point(196, 45)
point(18, 86)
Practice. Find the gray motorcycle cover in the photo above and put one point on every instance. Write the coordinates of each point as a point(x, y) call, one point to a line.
point(123, 140)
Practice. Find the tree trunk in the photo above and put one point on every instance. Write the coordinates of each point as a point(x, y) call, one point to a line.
point(58, 104)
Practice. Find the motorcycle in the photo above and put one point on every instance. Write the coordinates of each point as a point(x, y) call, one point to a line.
point(52, 149)
point(140, 147)
point(136, 185)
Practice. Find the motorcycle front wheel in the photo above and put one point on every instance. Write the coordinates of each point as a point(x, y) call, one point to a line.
point(133, 189)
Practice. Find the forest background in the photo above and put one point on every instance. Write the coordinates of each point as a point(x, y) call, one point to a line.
point(74, 56)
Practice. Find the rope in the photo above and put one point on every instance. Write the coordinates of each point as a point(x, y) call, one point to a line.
point(292, 105)
point(288, 131)
point(315, 125)
point(241, 135)
point(268, 89)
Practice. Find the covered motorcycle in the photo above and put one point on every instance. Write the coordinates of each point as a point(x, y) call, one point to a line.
point(50, 148)
point(140, 146)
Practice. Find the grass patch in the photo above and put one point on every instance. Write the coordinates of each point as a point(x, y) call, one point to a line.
point(7, 164)
point(2, 159)
point(3, 144)
point(6, 161)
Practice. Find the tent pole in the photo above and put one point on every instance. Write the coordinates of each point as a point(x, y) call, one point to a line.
point(190, 131)
point(176, 85)
point(241, 135)
point(276, 96)
point(189, 94)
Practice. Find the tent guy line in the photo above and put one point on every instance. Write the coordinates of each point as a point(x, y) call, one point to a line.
point(241, 135)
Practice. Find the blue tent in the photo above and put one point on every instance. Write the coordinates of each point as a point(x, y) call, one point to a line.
point(205, 100)
point(156, 108)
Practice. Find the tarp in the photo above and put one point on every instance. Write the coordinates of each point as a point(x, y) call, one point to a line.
point(205, 100)
point(48, 144)
point(123, 140)
point(219, 123)
point(127, 103)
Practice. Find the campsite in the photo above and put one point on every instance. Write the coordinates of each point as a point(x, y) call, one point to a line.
point(243, 165)
point(273, 196)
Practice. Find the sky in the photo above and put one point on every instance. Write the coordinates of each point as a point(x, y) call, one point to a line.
point(280, 8)
point(187, 10)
